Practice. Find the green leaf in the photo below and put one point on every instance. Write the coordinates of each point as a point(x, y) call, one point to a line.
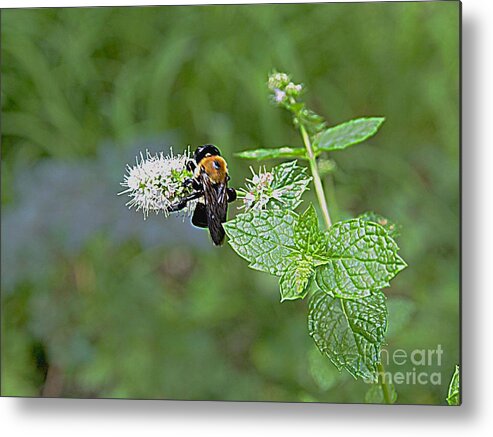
point(282, 152)
point(375, 394)
point(347, 134)
point(281, 243)
point(393, 229)
point(295, 280)
point(349, 331)
point(353, 259)
point(264, 238)
point(453, 397)
point(309, 239)
point(362, 258)
point(311, 246)
point(290, 181)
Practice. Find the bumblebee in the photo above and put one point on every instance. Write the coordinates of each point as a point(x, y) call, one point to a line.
point(210, 184)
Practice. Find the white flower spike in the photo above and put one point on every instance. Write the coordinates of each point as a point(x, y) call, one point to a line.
point(156, 182)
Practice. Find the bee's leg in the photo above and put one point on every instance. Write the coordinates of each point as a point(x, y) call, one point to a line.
point(231, 194)
point(187, 182)
point(196, 185)
point(190, 166)
point(177, 206)
point(193, 183)
point(182, 203)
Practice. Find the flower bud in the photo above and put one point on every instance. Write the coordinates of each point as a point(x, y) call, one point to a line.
point(282, 88)
point(278, 81)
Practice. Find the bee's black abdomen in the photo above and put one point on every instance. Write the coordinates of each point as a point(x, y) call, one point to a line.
point(199, 217)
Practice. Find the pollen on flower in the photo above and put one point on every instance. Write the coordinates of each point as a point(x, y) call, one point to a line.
point(155, 182)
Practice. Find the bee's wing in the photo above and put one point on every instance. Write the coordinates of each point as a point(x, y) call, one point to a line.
point(216, 206)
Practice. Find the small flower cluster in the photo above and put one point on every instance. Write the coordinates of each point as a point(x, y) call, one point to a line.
point(260, 191)
point(156, 182)
point(283, 89)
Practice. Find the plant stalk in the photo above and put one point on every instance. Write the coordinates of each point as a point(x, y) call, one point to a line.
point(385, 388)
point(319, 189)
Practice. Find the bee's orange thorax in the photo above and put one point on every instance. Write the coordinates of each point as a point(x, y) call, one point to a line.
point(215, 167)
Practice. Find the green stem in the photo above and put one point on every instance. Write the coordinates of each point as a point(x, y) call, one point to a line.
point(319, 189)
point(385, 388)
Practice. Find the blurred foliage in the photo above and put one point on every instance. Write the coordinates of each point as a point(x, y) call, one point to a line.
point(96, 302)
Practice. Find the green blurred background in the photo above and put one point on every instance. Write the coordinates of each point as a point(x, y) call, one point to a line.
point(97, 302)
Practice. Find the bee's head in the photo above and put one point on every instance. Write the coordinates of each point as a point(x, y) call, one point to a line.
point(206, 150)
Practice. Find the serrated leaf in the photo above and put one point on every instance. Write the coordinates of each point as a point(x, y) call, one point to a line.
point(392, 229)
point(281, 243)
point(362, 258)
point(347, 134)
point(275, 153)
point(264, 238)
point(349, 332)
point(308, 237)
point(291, 181)
point(375, 394)
point(453, 397)
point(311, 246)
point(295, 280)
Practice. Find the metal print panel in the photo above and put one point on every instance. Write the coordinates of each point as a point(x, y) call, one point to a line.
point(232, 202)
